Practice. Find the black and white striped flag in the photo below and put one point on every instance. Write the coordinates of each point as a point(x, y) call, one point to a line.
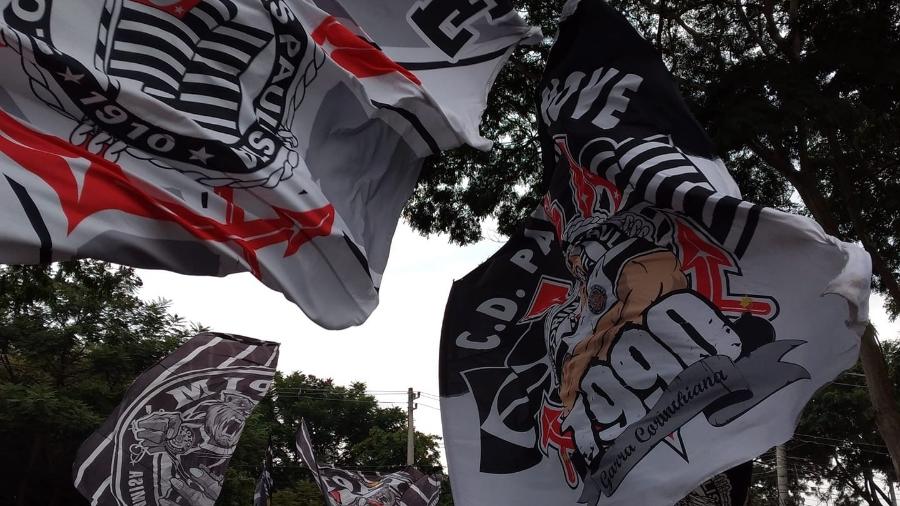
point(172, 436)
point(308, 454)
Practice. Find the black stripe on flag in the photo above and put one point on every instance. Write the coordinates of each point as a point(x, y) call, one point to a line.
point(34, 217)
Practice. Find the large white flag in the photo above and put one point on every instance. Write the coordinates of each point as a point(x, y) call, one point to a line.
point(647, 328)
point(280, 137)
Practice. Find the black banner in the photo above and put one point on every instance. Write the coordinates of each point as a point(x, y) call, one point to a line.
point(171, 438)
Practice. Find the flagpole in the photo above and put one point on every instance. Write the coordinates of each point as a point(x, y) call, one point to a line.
point(410, 427)
point(781, 473)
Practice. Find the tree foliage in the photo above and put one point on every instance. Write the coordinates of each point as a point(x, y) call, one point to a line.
point(73, 336)
point(836, 454)
point(348, 429)
point(798, 96)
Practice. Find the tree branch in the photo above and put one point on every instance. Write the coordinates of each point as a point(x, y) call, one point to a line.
point(772, 29)
point(742, 17)
point(851, 199)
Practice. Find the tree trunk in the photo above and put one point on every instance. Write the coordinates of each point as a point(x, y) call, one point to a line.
point(880, 394)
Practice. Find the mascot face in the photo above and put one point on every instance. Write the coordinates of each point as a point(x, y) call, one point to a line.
point(225, 420)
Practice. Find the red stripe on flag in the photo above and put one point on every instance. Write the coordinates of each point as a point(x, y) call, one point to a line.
point(106, 187)
point(355, 54)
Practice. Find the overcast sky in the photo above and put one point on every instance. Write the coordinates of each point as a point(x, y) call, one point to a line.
point(395, 349)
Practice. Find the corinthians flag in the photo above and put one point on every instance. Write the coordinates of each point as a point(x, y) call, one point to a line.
point(409, 487)
point(279, 137)
point(170, 440)
point(647, 328)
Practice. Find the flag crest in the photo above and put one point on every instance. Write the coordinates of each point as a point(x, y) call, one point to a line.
point(217, 136)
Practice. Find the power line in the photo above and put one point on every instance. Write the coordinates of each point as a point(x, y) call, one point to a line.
point(847, 441)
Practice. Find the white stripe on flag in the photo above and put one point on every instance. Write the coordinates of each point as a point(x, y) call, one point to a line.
point(165, 18)
point(211, 80)
point(226, 50)
point(216, 65)
point(103, 488)
point(208, 100)
point(210, 120)
point(239, 356)
point(204, 17)
point(158, 33)
point(152, 52)
point(144, 69)
point(239, 35)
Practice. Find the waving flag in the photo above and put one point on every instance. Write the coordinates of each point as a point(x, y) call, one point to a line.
point(217, 136)
point(304, 445)
point(263, 493)
point(730, 488)
point(170, 440)
point(409, 487)
point(647, 328)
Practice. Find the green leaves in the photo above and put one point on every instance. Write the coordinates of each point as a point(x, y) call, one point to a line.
point(72, 338)
point(348, 429)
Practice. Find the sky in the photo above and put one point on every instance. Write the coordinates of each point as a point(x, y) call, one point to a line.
point(395, 349)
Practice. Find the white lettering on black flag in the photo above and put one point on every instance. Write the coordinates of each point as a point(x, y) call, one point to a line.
point(210, 137)
point(647, 328)
point(170, 439)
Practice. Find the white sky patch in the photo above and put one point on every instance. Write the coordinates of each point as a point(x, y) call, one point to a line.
point(395, 349)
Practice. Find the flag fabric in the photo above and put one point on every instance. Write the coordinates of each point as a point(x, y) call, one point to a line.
point(308, 455)
point(646, 328)
point(217, 136)
point(344, 487)
point(170, 440)
point(730, 488)
point(264, 484)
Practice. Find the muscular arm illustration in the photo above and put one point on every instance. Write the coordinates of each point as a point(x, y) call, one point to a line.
point(643, 280)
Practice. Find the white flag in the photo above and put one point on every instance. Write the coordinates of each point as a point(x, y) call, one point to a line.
point(280, 137)
point(647, 328)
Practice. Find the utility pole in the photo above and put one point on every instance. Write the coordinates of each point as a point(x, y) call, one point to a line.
point(781, 474)
point(891, 490)
point(410, 426)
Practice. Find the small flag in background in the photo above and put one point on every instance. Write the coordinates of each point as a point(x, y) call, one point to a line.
point(308, 454)
point(172, 436)
point(646, 329)
point(211, 137)
point(409, 487)
point(264, 485)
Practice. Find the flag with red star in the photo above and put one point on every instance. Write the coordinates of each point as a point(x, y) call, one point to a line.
point(647, 331)
point(211, 137)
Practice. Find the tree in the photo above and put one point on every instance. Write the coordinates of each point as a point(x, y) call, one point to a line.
point(348, 429)
point(74, 335)
point(72, 338)
point(836, 454)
